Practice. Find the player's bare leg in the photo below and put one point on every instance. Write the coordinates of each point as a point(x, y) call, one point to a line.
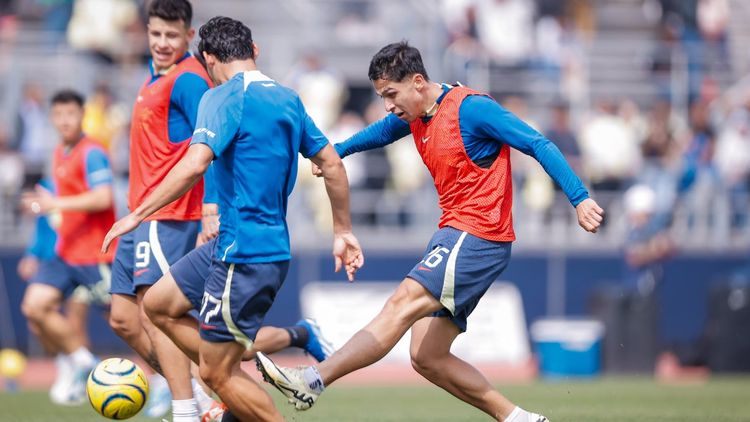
point(77, 314)
point(431, 340)
point(220, 369)
point(269, 340)
point(167, 308)
point(41, 305)
point(130, 329)
point(174, 364)
point(49, 347)
point(408, 304)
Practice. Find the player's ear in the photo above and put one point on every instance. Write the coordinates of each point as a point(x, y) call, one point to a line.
point(256, 51)
point(190, 34)
point(208, 60)
point(419, 81)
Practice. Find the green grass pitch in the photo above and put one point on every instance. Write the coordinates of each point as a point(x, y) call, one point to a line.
point(608, 399)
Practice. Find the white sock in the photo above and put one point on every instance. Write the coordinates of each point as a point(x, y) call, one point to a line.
point(204, 400)
point(185, 411)
point(313, 380)
point(83, 358)
point(62, 360)
point(518, 415)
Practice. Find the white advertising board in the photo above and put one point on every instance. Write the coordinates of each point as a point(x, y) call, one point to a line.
point(496, 329)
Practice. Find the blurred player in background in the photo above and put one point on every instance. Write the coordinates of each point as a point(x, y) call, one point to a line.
point(41, 249)
point(163, 121)
point(82, 202)
point(254, 128)
point(464, 138)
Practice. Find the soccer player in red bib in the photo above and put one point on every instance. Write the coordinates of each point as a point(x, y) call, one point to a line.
point(464, 138)
point(82, 209)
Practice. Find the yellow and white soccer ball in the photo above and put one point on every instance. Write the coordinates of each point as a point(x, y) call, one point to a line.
point(117, 388)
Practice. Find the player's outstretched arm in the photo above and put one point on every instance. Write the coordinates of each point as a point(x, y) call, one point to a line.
point(346, 249)
point(377, 135)
point(590, 215)
point(183, 176)
point(41, 201)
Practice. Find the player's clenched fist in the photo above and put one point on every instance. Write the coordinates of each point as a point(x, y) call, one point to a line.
point(590, 215)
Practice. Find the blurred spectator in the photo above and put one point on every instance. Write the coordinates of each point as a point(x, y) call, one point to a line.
point(661, 159)
point(703, 28)
point(56, 17)
point(7, 19)
point(732, 160)
point(321, 89)
point(631, 115)
point(11, 176)
point(99, 26)
point(32, 132)
point(609, 150)
point(647, 244)
point(8, 34)
point(505, 29)
point(699, 154)
point(104, 118)
point(713, 22)
point(582, 16)
point(662, 57)
point(358, 25)
point(561, 133)
point(459, 18)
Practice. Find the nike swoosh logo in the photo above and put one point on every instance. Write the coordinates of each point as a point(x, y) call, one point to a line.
point(425, 139)
point(423, 268)
point(140, 272)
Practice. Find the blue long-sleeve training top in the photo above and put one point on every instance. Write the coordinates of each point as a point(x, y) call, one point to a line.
point(485, 127)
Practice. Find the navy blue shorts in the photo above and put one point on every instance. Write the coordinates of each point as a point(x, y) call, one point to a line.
point(145, 254)
point(458, 268)
point(67, 277)
point(233, 298)
point(192, 270)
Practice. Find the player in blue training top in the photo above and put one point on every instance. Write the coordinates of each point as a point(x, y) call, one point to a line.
point(253, 128)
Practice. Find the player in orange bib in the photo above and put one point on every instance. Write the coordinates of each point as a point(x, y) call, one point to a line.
point(464, 138)
point(82, 209)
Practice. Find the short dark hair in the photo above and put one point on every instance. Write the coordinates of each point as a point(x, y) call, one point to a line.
point(227, 39)
point(396, 61)
point(172, 10)
point(67, 96)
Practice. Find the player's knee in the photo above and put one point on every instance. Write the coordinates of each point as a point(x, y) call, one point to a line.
point(126, 327)
point(35, 307)
point(152, 310)
point(424, 363)
point(214, 378)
